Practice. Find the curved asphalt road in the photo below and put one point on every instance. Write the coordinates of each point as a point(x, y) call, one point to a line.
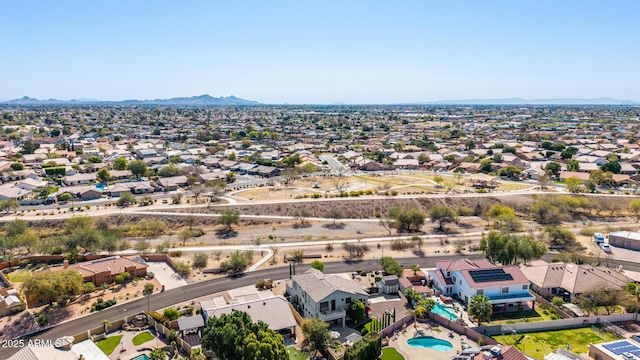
point(212, 286)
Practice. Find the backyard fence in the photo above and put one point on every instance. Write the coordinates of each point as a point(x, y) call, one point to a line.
point(555, 324)
point(396, 326)
point(549, 304)
point(462, 330)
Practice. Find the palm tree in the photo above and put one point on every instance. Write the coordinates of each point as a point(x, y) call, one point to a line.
point(480, 308)
point(418, 312)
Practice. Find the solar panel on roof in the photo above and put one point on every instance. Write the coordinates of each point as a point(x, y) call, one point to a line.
point(490, 275)
point(622, 346)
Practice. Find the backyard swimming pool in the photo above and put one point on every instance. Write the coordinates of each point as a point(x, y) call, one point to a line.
point(430, 343)
point(141, 357)
point(444, 311)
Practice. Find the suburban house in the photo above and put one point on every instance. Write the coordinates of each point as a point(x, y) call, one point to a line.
point(79, 179)
point(569, 280)
point(326, 296)
point(104, 271)
point(134, 187)
point(491, 352)
point(172, 183)
point(82, 192)
point(505, 286)
point(615, 350)
point(274, 311)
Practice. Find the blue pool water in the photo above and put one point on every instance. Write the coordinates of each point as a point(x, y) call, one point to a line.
point(444, 311)
point(141, 357)
point(431, 343)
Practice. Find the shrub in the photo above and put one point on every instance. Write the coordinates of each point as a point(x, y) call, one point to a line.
point(557, 301)
point(400, 245)
point(171, 313)
point(158, 317)
point(88, 287)
point(148, 288)
point(99, 305)
point(177, 253)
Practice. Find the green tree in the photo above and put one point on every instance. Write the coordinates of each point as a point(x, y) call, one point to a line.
point(182, 268)
point(316, 334)
point(546, 212)
point(485, 166)
point(120, 163)
point(228, 218)
point(171, 313)
point(138, 168)
point(553, 167)
point(573, 165)
point(634, 209)
point(391, 266)
point(573, 184)
point(51, 286)
point(158, 354)
point(169, 171)
point(356, 310)
point(9, 205)
point(406, 220)
point(318, 265)
point(418, 311)
point(237, 261)
point(17, 166)
point(200, 260)
point(611, 166)
point(235, 336)
point(126, 198)
point(142, 246)
point(480, 308)
point(16, 227)
point(443, 214)
point(103, 175)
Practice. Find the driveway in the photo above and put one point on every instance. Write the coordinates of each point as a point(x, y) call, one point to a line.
point(165, 275)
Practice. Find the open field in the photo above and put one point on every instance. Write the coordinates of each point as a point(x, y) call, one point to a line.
point(539, 344)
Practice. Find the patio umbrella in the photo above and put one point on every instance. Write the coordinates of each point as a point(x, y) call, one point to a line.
point(335, 335)
point(63, 341)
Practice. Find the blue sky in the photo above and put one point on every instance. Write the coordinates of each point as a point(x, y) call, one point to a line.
point(320, 51)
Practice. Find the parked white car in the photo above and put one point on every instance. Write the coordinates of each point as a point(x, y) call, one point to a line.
point(605, 247)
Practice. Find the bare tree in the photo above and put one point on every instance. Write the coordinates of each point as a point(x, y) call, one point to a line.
point(301, 215)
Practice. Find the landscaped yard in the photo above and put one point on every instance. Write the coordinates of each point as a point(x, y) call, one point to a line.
point(539, 344)
point(520, 316)
point(295, 354)
point(390, 353)
point(109, 344)
point(372, 325)
point(19, 276)
point(142, 338)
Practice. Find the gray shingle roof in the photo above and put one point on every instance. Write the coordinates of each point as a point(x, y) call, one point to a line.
point(318, 285)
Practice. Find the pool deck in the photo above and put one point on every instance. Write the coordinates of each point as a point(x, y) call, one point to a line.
point(410, 352)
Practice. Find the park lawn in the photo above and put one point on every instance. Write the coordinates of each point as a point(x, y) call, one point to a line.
point(538, 344)
point(19, 276)
point(519, 316)
point(142, 338)
point(390, 353)
point(109, 344)
point(295, 354)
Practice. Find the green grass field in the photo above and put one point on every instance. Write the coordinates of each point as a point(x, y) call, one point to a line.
point(519, 316)
point(19, 276)
point(390, 353)
point(295, 354)
point(538, 344)
point(109, 344)
point(142, 338)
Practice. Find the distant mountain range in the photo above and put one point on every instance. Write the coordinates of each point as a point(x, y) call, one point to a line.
point(519, 101)
point(193, 101)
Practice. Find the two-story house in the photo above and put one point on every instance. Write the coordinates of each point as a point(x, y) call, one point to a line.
point(325, 296)
point(505, 286)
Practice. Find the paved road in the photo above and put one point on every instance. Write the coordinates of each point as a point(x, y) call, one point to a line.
point(212, 286)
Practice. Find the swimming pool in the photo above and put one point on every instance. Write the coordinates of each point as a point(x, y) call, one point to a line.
point(444, 311)
point(431, 343)
point(141, 357)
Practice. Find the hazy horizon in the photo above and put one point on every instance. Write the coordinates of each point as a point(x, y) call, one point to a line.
point(358, 52)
